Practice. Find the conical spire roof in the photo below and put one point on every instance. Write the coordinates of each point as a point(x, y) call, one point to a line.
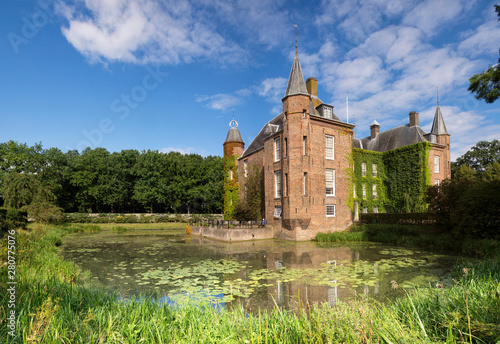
point(438, 126)
point(296, 83)
point(233, 135)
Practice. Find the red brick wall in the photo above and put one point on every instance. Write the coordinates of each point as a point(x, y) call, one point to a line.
point(443, 151)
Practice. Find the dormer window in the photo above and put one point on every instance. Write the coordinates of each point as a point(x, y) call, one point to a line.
point(327, 112)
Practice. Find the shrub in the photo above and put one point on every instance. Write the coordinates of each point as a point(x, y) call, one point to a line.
point(11, 218)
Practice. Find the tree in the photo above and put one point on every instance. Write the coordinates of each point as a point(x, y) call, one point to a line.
point(486, 85)
point(479, 157)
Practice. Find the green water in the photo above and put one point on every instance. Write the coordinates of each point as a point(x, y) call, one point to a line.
point(256, 274)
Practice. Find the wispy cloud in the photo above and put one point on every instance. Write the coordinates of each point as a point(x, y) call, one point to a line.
point(186, 150)
point(220, 101)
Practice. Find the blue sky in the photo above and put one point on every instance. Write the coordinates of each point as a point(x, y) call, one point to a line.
point(165, 75)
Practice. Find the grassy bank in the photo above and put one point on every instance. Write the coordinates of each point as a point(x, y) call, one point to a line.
point(425, 237)
point(55, 304)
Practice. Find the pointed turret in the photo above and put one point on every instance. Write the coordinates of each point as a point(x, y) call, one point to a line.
point(296, 83)
point(438, 126)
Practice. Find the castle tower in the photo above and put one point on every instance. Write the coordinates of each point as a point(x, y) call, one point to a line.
point(295, 166)
point(440, 154)
point(233, 148)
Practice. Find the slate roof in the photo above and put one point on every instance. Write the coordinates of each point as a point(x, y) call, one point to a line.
point(438, 126)
point(391, 139)
point(296, 83)
point(273, 126)
point(233, 135)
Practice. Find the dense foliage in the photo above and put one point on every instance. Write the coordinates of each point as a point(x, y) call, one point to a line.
point(95, 180)
point(486, 85)
point(479, 157)
point(469, 204)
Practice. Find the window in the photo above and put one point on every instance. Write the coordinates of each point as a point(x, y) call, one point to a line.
point(305, 183)
point(329, 145)
point(374, 169)
point(436, 163)
point(375, 210)
point(364, 191)
point(330, 182)
point(330, 210)
point(304, 145)
point(374, 191)
point(365, 210)
point(436, 182)
point(327, 112)
point(277, 149)
point(363, 169)
point(277, 211)
point(277, 181)
point(246, 168)
point(354, 191)
point(230, 174)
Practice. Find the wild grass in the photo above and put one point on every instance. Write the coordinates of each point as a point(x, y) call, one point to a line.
point(57, 304)
point(406, 235)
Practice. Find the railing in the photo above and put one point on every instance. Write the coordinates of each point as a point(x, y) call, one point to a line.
point(223, 224)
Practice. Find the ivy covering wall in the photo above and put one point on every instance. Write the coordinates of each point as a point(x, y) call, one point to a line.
point(368, 180)
point(403, 175)
point(408, 176)
point(231, 186)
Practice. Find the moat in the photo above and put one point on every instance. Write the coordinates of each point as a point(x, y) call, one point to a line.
point(172, 266)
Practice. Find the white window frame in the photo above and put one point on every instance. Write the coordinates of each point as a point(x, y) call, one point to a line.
point(330, 182)
point(230, 174)
point(330, 147)
point(364, 191)
point(354, 191)
point(374, 191)
point(436, 182)
point(365, 210)
point(278, 188)
point(375, 210)
point(436, 163)
point(330, 206)
point(363, 169)
point(277, 211)
point(374, 169)
point(245, 163)
point(277, 149)
point(328, 112)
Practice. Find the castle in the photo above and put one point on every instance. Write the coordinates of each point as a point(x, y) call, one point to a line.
point(318, 177)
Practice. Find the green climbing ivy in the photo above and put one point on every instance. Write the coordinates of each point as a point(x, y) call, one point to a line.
point(407, 177)
point(369, 179)
point(231, 186)
point(402, 177)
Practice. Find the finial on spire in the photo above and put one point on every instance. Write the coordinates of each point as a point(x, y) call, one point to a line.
point(295, 26)
point(233, 123)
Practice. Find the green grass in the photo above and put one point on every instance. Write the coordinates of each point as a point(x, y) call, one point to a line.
point(57, 304)
point(426, 237)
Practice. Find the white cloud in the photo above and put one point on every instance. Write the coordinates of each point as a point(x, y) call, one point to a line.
point(143, 31)
point(431, 16)
point(272, 88)
point(219, 101)
point(482, 40)
point(184, 151)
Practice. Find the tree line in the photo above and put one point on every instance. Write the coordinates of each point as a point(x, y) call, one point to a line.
point(96, 180)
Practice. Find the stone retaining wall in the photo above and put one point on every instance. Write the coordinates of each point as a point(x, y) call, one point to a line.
point(234, 234)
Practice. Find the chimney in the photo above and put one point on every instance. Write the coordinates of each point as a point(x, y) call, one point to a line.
point(312, 86)
point(413, 118)
point(374, 129)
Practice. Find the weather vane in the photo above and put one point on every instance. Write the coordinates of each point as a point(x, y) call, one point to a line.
point(295, 26)
point(233, 123)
